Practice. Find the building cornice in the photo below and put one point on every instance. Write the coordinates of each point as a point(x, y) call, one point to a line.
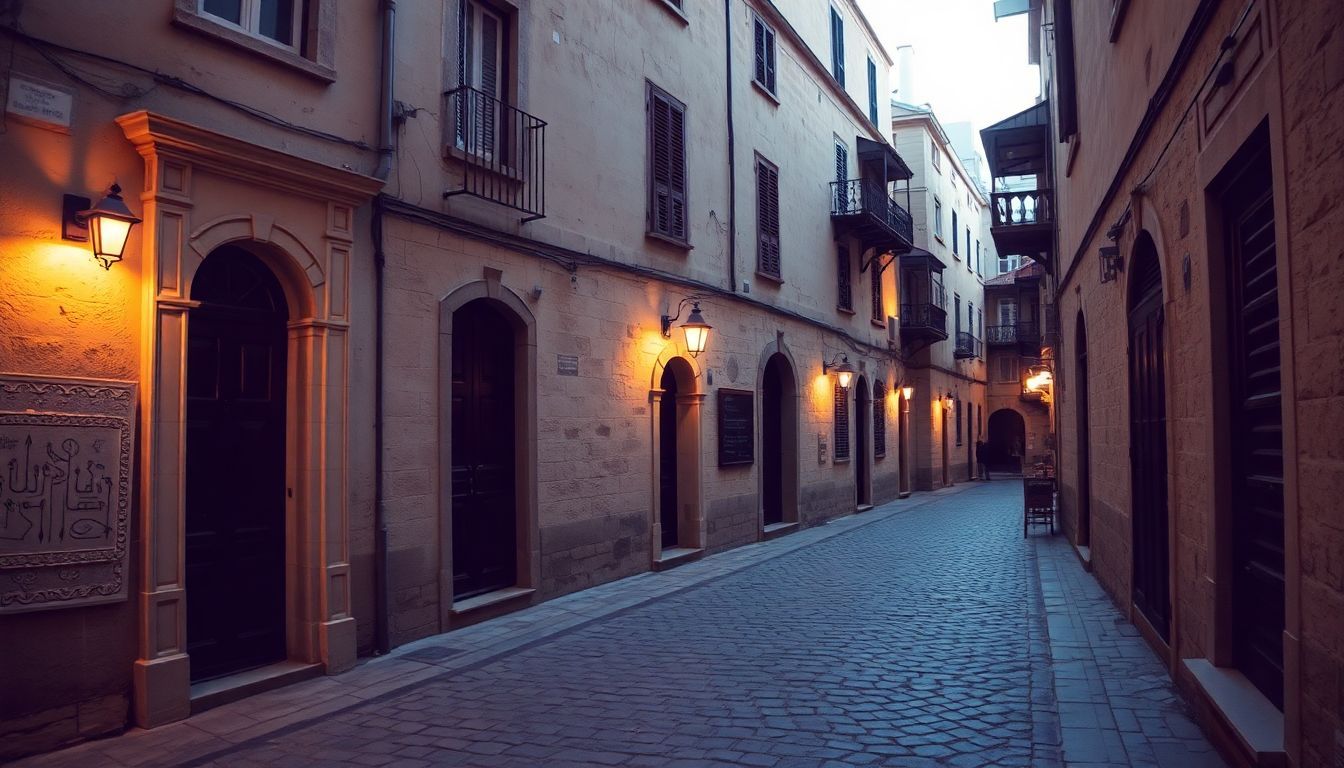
point(154, 134)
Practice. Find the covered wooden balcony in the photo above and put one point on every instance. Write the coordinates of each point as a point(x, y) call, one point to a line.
point(865, 208)
point(1022, 206)
point(923, 299)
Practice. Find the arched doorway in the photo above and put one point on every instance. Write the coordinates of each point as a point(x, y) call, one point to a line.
point(484, 405)
point(779, 442)
point(863, 459)
point(1007, 438)
point(1148, 437)
point(677, 443)
point(1084, 534)
point(235, 466)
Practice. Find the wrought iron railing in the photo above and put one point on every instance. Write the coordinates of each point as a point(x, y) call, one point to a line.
point(1001, 334)
point(1026, 207)
point(859, 196)
point(502, 147)
point(924, 315)
point(967, 345)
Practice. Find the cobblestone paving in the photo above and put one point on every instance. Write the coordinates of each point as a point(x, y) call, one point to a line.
point(912, 635)
point(907, 642)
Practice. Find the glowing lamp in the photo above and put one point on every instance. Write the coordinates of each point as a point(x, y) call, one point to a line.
point(695, 327)
point(907, 392)
point(844, 372)
point(947, 401)
point(107, 224)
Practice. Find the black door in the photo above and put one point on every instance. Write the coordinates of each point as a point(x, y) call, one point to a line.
point(772, 446)
point(1148, 441)
point(235, 467)
point(667, 459)
point(1084, 462)
point(484, 513)
point(1257, 428)
point(865, 451)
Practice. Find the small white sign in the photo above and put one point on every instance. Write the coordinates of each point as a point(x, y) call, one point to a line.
point(39, 102)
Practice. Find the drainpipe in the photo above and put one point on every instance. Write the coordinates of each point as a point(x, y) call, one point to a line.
point(381, 619)
point(732, 155)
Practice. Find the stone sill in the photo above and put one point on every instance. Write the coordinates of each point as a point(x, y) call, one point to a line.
point(230, 688)
point(256, 45)
point(675, 556)
point(1084, 556)
point(478, 602)
point(775, 530)
point(862, 508)
point(1256, 724)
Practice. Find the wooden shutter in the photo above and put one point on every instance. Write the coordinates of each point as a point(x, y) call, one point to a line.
point(842, 201)
point(767, 218)
point(842, 272)
point(872, 91)
point(879, 419)
point(765, 54)
point(878, 313)
point(770, 59)
point(667, 165)
point(841, 423)
point(838, 47)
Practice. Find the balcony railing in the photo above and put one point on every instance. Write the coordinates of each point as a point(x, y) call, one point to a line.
point(967, 346)
point(1001, 334)
point(869, 199)
point(926, 315)
point(502, 147)
point(1023, 208)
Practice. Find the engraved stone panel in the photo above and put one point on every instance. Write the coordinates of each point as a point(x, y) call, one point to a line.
point(65, 491)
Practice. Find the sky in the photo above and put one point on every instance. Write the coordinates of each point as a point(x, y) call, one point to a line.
point(968, 67)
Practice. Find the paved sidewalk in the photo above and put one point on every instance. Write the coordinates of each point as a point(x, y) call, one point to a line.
point(1117, 706)
point(911, 635)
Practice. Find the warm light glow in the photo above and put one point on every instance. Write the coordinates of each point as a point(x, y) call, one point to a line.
point(109, 238)
point(907, 393)
point(1039, 382)
point(845, 378)
point(697, 336)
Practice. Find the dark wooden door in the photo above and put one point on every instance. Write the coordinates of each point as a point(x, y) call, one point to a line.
point(484, 511)
point(862, 424)
point(772, 446)
point(235, 467)
point(1084, 440)
point(1257, 429)
point(667, 460)
point(1148, 451)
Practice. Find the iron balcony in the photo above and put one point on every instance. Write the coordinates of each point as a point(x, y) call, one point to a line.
point(502, 150)
point(862, 208)
point(967, 346)
point(923, 322)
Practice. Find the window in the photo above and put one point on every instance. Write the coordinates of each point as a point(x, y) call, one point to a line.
point(767, 218)
point(937, 159)
point(667, 166)
point(1007, 264)
point(872, 90)
point(1007, 311)
point(841, 423)
point(970, 317)
point(938, 218)
point(956, 298)
point(838, 46)
point(980, 317)
point(879, 419)
point(879, 313)
point(1007, 368)
point(481, 65)
point(968, 250)
point(276, 20)
point(958, 409)
point(955, 251)
point(845, 299)
point(764, 73)
point(979, 265)
point(842, 193)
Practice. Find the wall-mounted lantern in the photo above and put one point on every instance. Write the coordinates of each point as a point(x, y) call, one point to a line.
point(695, 327)
point(107, 224)
point(947, 401)
point(843, 370)
point(907, 392)
point(1111, 263)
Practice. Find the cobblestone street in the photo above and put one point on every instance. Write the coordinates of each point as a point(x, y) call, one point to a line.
point(912, 635)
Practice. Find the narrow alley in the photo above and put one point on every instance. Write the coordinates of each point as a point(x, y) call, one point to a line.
point(912, 635)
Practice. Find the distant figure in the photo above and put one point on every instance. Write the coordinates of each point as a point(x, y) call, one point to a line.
point(980, 453)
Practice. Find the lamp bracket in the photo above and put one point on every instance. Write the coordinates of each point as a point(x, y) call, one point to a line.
point(668, 320)
point(73, 226)
point(877, 259)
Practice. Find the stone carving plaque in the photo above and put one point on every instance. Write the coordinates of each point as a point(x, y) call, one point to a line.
point(65, 491)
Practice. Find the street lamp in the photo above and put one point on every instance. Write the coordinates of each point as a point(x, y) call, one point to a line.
point(695, 327)
point(843, 370)
point(907, 392)
point(108, 224)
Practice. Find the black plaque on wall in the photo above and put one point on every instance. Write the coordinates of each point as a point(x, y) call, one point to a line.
point(737, 422)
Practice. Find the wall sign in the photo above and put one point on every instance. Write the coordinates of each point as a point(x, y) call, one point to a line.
point(65, 491)
point(567, 365)
point(737, 427)
point(43, 104)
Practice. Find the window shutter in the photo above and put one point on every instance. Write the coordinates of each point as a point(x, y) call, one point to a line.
point(841, 176)
point(667, 166)
point(878, 313)
point(838, 47)
point(767, 218)
point(879, 419)
point(841, 422)
point(872, 91)
point(846, 299)
point(770, 60)
point(758, 29)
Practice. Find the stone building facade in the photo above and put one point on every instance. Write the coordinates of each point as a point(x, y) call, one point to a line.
point(1019, 433)
point(944, 344)
point(1195, 151)
point(435, 315)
